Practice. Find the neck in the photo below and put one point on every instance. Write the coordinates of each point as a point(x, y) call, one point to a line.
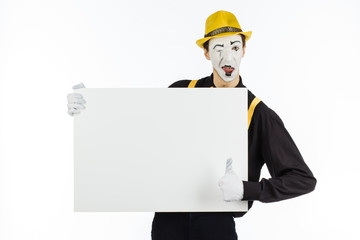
point(219, 82)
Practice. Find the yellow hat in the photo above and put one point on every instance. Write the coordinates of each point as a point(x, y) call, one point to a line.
point(221, 24)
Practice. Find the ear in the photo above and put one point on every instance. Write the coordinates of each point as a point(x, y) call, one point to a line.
point(206, 53)
point(243, 51)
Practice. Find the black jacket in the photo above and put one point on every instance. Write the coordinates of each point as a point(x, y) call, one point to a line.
point(270, 143)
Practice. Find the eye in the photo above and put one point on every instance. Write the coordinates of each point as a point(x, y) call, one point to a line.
point(236, 48)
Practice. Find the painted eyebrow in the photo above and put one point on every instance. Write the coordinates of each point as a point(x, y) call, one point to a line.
point(231, 43)
point(220, 45)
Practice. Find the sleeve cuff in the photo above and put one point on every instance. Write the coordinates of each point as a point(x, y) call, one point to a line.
point(252, 191)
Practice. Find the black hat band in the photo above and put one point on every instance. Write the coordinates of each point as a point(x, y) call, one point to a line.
point(222, 30)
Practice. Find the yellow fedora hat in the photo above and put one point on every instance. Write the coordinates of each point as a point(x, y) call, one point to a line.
point(222, 24)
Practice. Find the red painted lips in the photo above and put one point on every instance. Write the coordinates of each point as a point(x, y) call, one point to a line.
point(228, 69)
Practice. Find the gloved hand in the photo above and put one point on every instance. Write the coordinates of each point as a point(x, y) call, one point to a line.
point(75, 101)
point(231, 185)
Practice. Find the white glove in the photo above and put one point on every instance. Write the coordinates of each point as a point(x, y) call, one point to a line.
point(231, 185)
point(75, 101)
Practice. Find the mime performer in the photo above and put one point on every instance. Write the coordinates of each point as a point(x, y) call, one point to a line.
point(269, 143)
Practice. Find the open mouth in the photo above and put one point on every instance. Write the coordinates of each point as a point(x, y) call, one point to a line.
point(228, 70)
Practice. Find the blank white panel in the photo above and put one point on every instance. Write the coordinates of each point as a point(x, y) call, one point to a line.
point(162, 150)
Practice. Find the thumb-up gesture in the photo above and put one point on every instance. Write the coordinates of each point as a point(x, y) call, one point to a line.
point(230, 184)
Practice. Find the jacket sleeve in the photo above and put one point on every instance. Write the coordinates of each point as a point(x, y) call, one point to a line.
point(180, 83)
point(290, 176)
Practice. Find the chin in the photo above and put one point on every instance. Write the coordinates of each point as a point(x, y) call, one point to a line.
point(228, 79)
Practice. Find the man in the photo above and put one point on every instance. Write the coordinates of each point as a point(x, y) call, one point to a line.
point(269, 143)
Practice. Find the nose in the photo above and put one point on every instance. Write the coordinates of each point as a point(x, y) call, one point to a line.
point(227, 56)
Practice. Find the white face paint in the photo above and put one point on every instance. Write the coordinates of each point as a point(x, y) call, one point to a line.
point(225, 54)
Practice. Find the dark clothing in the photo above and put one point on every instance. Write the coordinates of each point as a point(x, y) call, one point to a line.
point(270, 143)
point(194, 226)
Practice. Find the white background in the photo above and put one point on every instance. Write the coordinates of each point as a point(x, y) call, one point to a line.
point(302, 61)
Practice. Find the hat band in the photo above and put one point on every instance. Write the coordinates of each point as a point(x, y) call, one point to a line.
point(222, 30)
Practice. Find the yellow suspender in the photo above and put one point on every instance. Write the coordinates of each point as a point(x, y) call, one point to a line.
point(251, 109)
point(192, 83)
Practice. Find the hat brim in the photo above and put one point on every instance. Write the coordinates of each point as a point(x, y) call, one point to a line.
point(201, 42)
